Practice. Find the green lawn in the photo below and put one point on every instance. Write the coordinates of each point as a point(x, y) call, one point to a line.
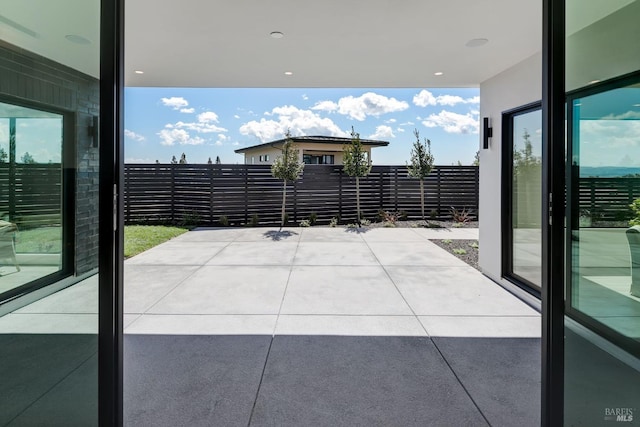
point(139, 238)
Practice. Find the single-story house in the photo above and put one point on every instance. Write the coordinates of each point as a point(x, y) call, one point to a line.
point(314, 150)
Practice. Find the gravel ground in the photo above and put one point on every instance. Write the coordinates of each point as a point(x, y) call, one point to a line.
point(471, 255)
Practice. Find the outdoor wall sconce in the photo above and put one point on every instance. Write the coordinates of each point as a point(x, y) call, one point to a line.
point(487, 132)
point(94, 131)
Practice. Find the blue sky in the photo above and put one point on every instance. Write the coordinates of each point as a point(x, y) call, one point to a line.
point(202, 123)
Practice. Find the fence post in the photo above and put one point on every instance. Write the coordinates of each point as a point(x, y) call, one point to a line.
point(380, 190)
point(211, 193)
point(127, 197)
point(173, 192)
point(340, 194)
point(438, 191)
point(246, 194)
point(395, 188)
point(295, 201)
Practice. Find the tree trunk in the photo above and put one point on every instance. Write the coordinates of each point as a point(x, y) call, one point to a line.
point(284, 202)
point(422, 197)
point(358, 199)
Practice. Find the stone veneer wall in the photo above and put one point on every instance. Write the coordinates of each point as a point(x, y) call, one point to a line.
point(35, 79)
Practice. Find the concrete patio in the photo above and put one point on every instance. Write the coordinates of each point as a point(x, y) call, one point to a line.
point(312, 326)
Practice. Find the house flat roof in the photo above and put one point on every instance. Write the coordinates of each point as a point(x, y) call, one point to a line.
point(336, 140)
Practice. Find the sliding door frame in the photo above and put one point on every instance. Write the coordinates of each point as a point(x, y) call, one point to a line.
point(110, 378)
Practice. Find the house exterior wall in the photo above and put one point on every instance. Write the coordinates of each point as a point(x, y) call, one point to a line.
point(512, 88)
point(30, 77)
point(305, 148)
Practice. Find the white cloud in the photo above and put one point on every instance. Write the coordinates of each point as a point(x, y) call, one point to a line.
point(132, 135)
point(399, 130)
point(369, 104)
point(187, 110)
point(453, 122)
point(218, 143)
point(179, 136)
point(390, 121)
point(407, 123)
point(235, 144)
point(138, 160)
point(299, 122)
point(425, 98)
point(223, 137)
point(382, 131)
point(305, 97)
point(325, 106)
point(175, 102)
point(205, 124)
point(235, 116)
point(208, 116)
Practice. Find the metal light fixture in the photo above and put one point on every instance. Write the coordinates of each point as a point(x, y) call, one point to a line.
point(487, 132)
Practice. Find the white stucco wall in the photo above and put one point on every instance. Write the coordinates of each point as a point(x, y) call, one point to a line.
point(512, 88)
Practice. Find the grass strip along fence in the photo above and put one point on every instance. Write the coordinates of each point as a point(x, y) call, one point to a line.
point(248, 194)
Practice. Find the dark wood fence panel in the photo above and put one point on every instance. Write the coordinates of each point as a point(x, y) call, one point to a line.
point(608, 199)
point(33, 196)
point(205, 194)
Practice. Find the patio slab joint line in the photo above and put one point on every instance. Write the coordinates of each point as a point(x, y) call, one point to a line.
point(264, 368)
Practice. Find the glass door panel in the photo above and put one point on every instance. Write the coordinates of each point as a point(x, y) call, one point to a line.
point(31, 209)
point(49, 212)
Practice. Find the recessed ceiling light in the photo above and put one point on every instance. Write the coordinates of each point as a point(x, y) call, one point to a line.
point(74, 38)
point(438, 73)
point(593, 82)
point(139, 72)
point(288, 73)
point(276, 34)
point(476, 42)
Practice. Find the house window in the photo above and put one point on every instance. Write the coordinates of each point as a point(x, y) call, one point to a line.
point(266, 158)
point(309, 159)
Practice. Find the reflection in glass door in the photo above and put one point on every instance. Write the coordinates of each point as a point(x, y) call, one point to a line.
point(522, 197)
point(602, 343)
point(31, 197)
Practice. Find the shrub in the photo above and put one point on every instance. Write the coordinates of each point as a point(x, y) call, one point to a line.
point(447, 241)
point(459, 251)
point(461, 217)
point(305, 223)
point(474, 245)
point(635, 208)
point(223, 221)
point(333, 222)
point(365, 222)
point(313, 218)
point(255, 220)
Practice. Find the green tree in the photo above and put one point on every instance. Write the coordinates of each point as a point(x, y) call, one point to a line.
point(4, 157)
point(421, 164)
point(27, 158)
point(218, 160)
point(183, 159)
point(286, 167)
point(174, 161)
point(209, 162)
point(356, 163)
point(476, 159)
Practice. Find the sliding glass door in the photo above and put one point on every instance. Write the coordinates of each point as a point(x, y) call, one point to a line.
point(602, 294)
point(522, 197)
point(60, 320)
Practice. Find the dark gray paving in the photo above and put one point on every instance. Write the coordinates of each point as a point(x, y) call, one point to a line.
point(32, 365)
point(71, 403)
point(501, 374)
point(191, 380)
point(360, 381)
point(597, 384)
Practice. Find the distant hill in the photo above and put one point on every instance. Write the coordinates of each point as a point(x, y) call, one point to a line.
point(608, 171)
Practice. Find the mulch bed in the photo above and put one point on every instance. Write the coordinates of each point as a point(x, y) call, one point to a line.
point(471, 255)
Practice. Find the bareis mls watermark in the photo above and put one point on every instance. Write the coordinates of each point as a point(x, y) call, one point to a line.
point(618, 414)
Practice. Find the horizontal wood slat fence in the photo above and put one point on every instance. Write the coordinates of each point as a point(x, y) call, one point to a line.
point(31, 194)
point(203, 194)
